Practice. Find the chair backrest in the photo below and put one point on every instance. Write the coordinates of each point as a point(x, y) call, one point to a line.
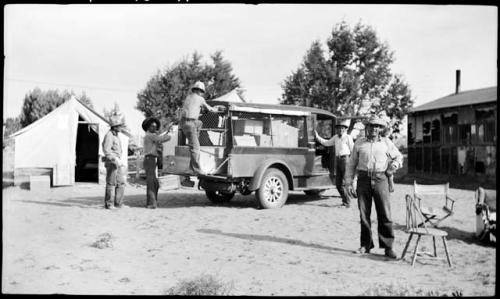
point(414, 216)
point(436, 192)
point(488, 197)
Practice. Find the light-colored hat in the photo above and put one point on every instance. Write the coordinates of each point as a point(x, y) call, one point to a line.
point(344, 123)
point(115, 121)
point(199, 85)
point(375, 120)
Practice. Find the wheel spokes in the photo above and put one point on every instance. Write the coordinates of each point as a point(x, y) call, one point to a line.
point(273, 189)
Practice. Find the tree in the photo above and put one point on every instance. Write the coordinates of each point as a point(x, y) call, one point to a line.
point(12, 125)
point(38, 103)
point(165, 91)
point(353, 78)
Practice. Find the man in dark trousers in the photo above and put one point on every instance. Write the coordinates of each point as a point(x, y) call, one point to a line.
point(151, 142)
point(342, 143)
point(115, 170)
point(371, 157)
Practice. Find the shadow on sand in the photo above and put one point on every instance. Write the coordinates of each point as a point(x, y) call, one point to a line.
point(178, 199)
point(266, 238)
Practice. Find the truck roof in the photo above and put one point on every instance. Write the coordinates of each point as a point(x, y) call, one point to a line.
point(273, 109)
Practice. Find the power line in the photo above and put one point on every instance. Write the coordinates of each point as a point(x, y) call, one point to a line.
point(72, 85)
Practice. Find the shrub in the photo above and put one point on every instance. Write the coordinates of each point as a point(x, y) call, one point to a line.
point(201, 285)
point(104, 241)
point(405, 290)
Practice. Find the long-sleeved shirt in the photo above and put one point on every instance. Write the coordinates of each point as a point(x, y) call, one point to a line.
point(112, 146)
point(372, 155)
point(343, 144)
point(151, 141)
point(192, 105)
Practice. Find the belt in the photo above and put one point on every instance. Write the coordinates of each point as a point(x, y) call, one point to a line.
point(370, 173)
point(342, 156)
point(188, 119)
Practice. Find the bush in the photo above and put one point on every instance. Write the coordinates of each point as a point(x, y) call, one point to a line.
point(201, 285)
point(104, 241)
point(405, 290)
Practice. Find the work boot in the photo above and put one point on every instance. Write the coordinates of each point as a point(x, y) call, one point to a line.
point(390, 253)
point(363, 250)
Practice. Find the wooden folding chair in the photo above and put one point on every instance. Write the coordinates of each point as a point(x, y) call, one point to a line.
point(430, 198)
point(413, 228)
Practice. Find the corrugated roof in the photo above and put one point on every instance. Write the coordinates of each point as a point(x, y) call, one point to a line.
point(470, 97)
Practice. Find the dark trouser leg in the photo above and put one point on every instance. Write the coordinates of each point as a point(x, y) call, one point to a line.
point(190, 130)
point(383, 208)
point(151, 181)
point(364, 192)
point(339, 177)
point(110, 184)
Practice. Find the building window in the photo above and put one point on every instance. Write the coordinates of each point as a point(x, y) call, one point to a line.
point(418, 129)
point(411, 130)
point(465, 133)
point(436, 131)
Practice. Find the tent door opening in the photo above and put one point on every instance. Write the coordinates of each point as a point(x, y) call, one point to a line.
point(87, 153)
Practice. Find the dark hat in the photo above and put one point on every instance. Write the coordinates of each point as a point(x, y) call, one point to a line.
point(147, 122)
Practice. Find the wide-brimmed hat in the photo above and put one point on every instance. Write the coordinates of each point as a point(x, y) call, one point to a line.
point(115, 121)
point(375, 120)
point(344, 123)
point(198, 85)
point(147, 122)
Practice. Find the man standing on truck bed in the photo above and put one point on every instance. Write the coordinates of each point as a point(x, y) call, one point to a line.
point(370, 158)
point(343, 144)
point(191, 125)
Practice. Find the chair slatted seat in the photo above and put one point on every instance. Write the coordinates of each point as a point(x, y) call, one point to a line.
point(416, 225)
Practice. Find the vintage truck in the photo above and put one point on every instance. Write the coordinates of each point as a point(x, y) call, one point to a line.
point(261, 148)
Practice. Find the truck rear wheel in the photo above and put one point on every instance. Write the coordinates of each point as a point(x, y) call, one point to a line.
point(273, 191)
point(219, 196)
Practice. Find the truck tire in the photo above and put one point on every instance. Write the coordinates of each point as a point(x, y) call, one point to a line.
point(219, 196)
point(273, 190)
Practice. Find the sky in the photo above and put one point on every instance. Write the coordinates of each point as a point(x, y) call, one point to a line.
point(111, 51)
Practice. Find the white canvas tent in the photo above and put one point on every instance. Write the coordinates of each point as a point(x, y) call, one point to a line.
point(65, 143)
point(231, 96)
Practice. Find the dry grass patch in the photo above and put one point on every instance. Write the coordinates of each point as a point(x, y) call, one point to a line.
point(201, 285)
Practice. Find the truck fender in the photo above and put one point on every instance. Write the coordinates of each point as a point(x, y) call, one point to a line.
point(259, 173)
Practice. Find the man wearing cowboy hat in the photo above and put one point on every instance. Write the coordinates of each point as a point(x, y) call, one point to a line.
point(115, 172)
point(343, 144)
point(151, 142)
point(370, 158)
point(190, 124)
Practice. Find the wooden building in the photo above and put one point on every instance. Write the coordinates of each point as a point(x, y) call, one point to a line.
point(455, 135)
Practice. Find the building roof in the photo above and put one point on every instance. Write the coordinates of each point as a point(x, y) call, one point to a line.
point(470, 97)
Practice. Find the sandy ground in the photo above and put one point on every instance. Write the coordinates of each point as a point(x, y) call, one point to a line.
point(304, 248)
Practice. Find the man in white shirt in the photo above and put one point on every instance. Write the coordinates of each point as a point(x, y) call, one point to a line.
point(343, 144)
